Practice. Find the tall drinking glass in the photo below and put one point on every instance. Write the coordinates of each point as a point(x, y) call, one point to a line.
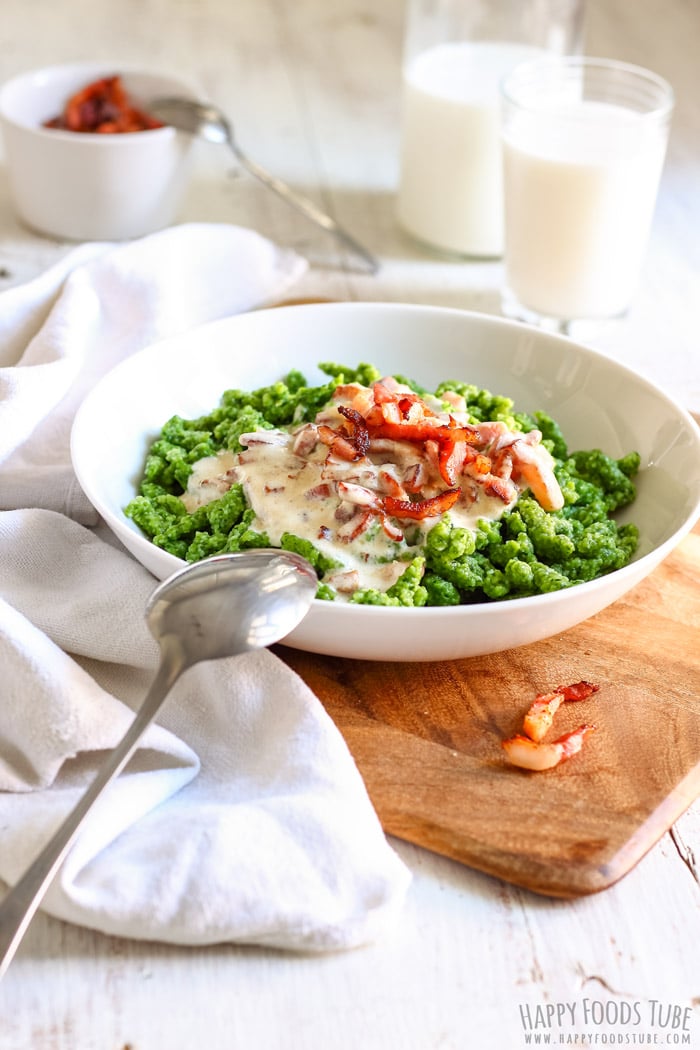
point(456, 53)
point(584, 142)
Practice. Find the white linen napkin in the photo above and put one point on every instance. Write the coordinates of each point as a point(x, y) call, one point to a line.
point(242, 817)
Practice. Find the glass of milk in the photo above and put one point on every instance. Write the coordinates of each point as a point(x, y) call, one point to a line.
point(584, 142)
point(456, 52)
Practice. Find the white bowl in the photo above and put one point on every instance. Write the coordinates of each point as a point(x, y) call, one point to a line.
point(599, 403)
point(87, 187)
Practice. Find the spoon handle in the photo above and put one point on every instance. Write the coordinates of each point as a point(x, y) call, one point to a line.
point(302, 204)
point(22, 901)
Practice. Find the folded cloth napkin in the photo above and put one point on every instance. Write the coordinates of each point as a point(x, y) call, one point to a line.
point(242, 817)
point(62, 331)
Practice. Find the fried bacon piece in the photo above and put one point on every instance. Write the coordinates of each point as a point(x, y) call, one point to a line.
point(532, 465)
point(338, 443)
point(421, 508)
point(541, 713)
point(577, 691)
point(527, 754)
point(423, 431)
point(103, 107)
point(527, 751)
point(360, 435)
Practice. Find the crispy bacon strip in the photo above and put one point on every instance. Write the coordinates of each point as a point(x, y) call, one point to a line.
point(422, 432)
point(541, 712)
point(540, 715)
point(451, 459)
point(527, 754)
point(360, 435)
point(339, 443)
point(422, 508)
point(578, 691)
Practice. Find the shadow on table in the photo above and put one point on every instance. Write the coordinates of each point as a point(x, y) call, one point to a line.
point(438, 278)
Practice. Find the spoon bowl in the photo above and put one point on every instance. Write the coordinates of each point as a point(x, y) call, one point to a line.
point(223, 606)
point(195, 118)
point(231, 603)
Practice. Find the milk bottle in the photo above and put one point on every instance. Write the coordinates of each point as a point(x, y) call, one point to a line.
point(456, 54)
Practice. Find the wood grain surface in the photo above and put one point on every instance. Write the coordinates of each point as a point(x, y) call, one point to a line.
point(427, 740)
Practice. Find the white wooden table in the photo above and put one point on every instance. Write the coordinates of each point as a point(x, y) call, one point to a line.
point(312, 87)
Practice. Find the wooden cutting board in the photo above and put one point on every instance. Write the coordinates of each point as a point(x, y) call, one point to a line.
point(426, 738)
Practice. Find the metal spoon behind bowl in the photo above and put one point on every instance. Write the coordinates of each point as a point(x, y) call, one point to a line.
point(224, 606)
point(208, 121)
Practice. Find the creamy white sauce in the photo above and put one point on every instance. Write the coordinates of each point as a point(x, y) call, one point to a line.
point(211, 477)
point(282, 489)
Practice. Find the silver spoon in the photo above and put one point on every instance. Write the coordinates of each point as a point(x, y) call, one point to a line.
point(220, 607)
point(207, 120)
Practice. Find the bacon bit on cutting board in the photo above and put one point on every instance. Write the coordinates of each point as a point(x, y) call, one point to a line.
point(528, 751)
point(103, 107)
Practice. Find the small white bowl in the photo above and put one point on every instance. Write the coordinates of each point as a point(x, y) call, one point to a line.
point(87, 187)
point(599, 403)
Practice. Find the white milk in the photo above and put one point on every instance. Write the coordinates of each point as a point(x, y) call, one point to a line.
point(450, 194)
point(580, 188)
